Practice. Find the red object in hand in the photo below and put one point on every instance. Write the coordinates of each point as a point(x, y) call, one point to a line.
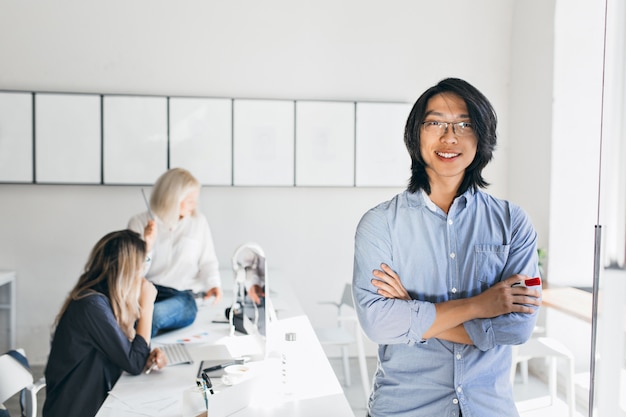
point(530, 282)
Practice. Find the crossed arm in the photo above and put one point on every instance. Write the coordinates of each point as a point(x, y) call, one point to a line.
point(502, 298)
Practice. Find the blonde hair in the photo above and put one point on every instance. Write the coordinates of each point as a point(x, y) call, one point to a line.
point(169, 191)
point(114, 269)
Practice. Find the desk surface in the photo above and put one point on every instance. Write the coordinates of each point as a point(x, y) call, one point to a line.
point(569, 300)
point(317, 391)
point(573, 301)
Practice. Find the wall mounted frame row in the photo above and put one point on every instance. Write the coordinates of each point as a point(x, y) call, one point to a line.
point(67, 138)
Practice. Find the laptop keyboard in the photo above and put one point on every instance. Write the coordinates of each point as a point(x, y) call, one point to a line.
point(176, 353)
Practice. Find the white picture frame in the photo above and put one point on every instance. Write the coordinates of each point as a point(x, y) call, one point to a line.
point(381, 156)
point(68, 138)
point(325, 143)
point(263, 142)
point(16, 137)
point(135, 139)
point(201, 138)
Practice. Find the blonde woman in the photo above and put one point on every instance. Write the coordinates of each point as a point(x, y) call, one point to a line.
point(102, 329)
point(181, 251)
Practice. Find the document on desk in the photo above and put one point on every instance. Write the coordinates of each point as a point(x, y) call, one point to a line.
point(138, 396)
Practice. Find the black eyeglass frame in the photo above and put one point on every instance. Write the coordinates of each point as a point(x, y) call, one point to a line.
point(459, 128)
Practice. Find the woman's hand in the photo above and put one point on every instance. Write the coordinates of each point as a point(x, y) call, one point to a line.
point(149, 234)
point(389, 284)
point(214, 292)
point(156, 360)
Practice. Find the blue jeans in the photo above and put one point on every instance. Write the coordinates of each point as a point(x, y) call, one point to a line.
point(173, 309)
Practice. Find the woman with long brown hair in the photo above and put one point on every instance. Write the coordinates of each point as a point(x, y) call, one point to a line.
point(103, 328)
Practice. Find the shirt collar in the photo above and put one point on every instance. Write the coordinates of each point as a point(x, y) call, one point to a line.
point(428, 202)
point(459, 203)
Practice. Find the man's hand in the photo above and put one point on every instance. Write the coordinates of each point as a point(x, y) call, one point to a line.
point(504, 298)
point(255, 293)
point(389, 284)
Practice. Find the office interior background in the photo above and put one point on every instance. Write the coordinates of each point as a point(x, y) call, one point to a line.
point(539, 62)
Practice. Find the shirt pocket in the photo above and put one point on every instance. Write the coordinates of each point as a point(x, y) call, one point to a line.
point(489, 262)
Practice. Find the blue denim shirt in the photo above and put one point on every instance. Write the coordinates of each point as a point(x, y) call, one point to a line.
point(440, 257)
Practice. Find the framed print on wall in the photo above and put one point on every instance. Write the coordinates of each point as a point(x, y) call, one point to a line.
point(16, 137)
point(324, 143)
point(135, 139)
point(201, 138)
point(68, 138)
point(381, 157)
point(263, 142)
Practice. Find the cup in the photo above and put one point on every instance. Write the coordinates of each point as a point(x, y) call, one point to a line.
point(235, 373)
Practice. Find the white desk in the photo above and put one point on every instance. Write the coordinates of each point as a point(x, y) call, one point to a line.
point(574, 302)
point(317, 391)
point(8, 278)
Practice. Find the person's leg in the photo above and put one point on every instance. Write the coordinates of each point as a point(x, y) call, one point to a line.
point(163, 293)
point(178, 310)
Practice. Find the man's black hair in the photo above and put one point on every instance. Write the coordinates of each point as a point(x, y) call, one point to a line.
point(483, 118)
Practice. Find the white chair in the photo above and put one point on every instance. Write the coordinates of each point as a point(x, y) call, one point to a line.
point(552, 350)
point(346, 333)
point(14, 377)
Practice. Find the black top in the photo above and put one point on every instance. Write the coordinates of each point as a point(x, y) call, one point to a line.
point(88, 354)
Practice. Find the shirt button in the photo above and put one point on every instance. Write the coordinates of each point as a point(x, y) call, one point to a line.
point(453, 290)
point(459, 389)
point(450, 222)
point(458, 356)
point(455, 401)
point(453, 255)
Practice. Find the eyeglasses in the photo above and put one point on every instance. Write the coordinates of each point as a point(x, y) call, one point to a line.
point(436, 127)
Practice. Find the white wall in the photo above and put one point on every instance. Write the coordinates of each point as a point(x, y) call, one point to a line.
point(352, 50)
point(575, 146)
point(529, 146)
point(578, 74)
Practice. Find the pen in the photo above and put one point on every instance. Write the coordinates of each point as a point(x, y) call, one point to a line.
point(147, 204)
point(152, 367)
point(224, 365)
point(207, 382)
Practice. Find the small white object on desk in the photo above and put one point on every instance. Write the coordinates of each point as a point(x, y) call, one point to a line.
point(234, 374)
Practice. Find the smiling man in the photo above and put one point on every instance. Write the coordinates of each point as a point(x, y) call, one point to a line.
point(435, 268)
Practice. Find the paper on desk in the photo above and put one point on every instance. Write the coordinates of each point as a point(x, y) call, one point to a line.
point(164, 409)
point(243, 345)
point(145, 398)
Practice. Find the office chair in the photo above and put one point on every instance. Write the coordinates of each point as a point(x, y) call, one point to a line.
point(344, 335)
point(551, 349)
point(15, 377)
